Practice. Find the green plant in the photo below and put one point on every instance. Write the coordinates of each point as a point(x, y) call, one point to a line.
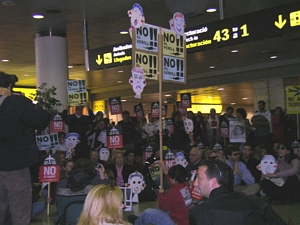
point(44, 98)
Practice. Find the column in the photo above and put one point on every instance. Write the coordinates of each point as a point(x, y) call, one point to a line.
point(51, 55)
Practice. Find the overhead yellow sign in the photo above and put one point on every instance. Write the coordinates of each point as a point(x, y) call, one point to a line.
point(148, 62)
point(293, 100)
point(99, 106)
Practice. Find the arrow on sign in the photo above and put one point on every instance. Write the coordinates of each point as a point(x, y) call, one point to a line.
point(280, 22)
point(99, 60)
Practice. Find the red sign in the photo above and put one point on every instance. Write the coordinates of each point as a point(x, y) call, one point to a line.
point(154, 109)
point(114, 137)
point(186, 100)
point(57, 126)
point(224, 131)
point(138, 109)
point(49, 173)
point(115, 106)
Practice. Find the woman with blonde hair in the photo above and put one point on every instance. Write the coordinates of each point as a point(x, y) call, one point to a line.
point(216, 155)
point(103, 206)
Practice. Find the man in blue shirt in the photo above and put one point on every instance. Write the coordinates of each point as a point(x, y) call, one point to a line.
point(243, 180)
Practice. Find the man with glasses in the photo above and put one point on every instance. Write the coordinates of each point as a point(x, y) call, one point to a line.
point(243, 180)
point(223, 205)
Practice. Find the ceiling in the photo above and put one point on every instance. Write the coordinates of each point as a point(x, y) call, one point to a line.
point(107, 18)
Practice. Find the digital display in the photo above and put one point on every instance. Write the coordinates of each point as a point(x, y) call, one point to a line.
point(270, 22)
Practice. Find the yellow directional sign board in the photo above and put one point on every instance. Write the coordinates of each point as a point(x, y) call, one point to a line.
point(293, 99)
point(173, 45)
point(148, 62)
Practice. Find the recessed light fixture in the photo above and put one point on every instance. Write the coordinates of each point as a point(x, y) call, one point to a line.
point(273, 57)
point(232, 103)
point(5, 60)
point(123, 100)
point(124, 32)
point(220, 89)
point(119, 81)
point(26, 75)
point(167, 95)
point(211, 9)
point(70, 67)
point(209, 96)
point(244, 98)
point(235, 50)
point(8, 3)
point(120, 71)
point(38, 16)
point(212, 67)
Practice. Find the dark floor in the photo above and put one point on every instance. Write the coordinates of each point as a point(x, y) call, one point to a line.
point(285, 211)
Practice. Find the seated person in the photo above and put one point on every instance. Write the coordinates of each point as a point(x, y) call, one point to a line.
point(240, 172)
point(216, 155)
point(103, 206)
point(172, 207)
point(120, 170)
point(130, 160)
point(225, 206)
point(83, 171)
point(251, 162)
point(194, 162)
point(288, 166)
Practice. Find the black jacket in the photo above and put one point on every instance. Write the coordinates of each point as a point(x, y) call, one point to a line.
point(127, 170)
point(18, 117)
point(225, 206)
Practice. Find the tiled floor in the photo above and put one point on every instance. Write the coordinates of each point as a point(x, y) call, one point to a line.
point(285, 211)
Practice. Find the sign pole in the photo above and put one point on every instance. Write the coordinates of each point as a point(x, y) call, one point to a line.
point(48, 203)
point(297, 127)
point(160, 53)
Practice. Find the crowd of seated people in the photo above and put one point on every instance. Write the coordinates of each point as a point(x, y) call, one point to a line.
point(242, 158)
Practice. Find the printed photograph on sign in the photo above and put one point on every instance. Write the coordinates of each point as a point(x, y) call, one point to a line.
point(236, 132)
point(148, 62)
point(77, 98)
point(115, 105)
point(137, 81)
point(146, 38)
point(186, 100)
point(76, 86)
point(137, 18)
point(173, 45)
point(173, 69)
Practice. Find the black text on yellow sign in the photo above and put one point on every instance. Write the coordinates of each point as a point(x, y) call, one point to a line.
point(293, 100)
point(148, 62)
point(173, 45)
point(77, 99)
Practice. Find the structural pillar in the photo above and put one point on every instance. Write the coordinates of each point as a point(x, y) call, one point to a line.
point(271, 91)
point(51, 56)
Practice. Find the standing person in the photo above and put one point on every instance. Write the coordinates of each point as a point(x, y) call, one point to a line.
point(212, 128)
point(261, 122)
point(278, 124)
point(241, 117)
point(197, 128)
point(80, 124)
point(225, 206)
point(225, 118)
point(128, 130)
point(18, 150)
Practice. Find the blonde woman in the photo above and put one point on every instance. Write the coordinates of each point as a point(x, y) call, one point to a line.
point(103, 206)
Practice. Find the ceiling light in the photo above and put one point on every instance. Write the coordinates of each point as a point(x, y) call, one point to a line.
point(5, 60)
point(26, 75)
point(70, 67)
point(211, 9)
point(38, 16)
point(244, 98)
point(235, 50)
point(119, 81)
point(8, 3)
point(274, 57)
point(120, 71)
point(212, 67)
point(167, 95)
point(124, 32)
point(123, 100)
point(209, 96)
point(232, 103)
point(165, 101)
point(220, 89)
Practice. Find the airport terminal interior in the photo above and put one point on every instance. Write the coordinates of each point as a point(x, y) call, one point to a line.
point(237, 53)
